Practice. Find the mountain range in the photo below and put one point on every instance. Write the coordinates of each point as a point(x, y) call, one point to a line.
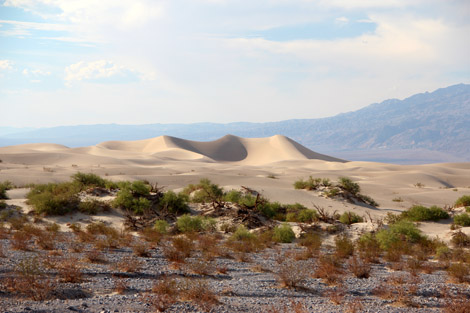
point(428, 127)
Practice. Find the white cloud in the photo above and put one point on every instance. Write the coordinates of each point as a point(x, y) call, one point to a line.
point(6, 65)
point(103, 71)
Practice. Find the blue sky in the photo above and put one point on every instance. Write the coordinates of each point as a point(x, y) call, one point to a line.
point(69, 62)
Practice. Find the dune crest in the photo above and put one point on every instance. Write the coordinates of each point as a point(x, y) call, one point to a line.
point(226, 149)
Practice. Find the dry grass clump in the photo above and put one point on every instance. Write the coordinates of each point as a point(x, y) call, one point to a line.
point(200, 267)
point(95, 256)
point(141, 249)
point(344, 247)
point(129, 264)
point(29, 281)
point(292, 274)
point(200, 293)
point(359, 268)
point(368, 248)
point(209, 246)
point(292, 307)
point(20, 240)
point(69, 270)
point(120, 285)
point(336, 295)
point(328, 268)
point(456, 303)
point(459, 272)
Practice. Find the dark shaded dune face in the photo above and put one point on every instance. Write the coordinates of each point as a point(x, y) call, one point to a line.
point(227, 148)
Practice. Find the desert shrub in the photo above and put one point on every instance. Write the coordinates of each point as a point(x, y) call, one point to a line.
point(301, 214)
point(175, 203)
point(200, 293)
point(69, 270)
point(443, 253)
point(86, 180)
point(6, 185)
point(459, 271)
point(421, 213)
point(54, 199)
point(205, 192)
point(462, 219)
point(368, 247)
point(399, 231)
point(463, 201)
point(3, 205)
point(309, 184)
point(344, 247)
point(283, 233)
point(293, 274)
point(460, 239)
point(359, 268)
point(92, 206)
point(141, 249)
point(311, 241)
point(30, 280)
point(242, 234)
point(350, 218)
point(187, 223)
point(328, 268)
point(161, 226)
point(200, 267)
point(348, 185)
point(243, 199)
point(333, 192)
point(127, 200)
point(368, 200)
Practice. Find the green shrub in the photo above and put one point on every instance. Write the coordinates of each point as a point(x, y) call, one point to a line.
point(131, 197)
point(3, 205)
point(421, 213)
point(92, 206)
point(348, 185)
point(205, 192)
point(368, 247)
point(54, 199)
point(89, 180)
point(350, 218)
point(302, 216)
point(368, 200)
point(270, 209)
point(400, 231)
point(333, 192)
point(310, 184)
point(175, 203)
point(283, 233)
point(242, 234)
point(187, 223)
point(462, 219)
point(6, 185)
point(344, 247)
point(463, 201)
point(161, 226)
point(312, 241)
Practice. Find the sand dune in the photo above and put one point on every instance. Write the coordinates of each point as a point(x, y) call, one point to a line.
point(269, 165)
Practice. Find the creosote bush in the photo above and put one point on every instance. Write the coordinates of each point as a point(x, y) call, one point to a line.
point(421, 213)
point(175, 203)
point(4, 186)
point(463, 201)
point(398, 232)
point(462, 219)
point(187, 223)
point(350, 218)
point(283, 233)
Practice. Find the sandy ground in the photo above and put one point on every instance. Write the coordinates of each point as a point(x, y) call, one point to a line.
point(269, 165)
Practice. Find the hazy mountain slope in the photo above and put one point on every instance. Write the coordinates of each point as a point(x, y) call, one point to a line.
point(427, 127)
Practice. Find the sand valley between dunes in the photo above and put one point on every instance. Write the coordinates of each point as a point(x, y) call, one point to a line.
point(268, 165)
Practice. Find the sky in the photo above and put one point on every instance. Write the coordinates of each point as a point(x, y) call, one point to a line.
point(71, 62)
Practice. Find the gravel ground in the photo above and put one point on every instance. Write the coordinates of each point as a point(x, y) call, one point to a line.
point(245, 286)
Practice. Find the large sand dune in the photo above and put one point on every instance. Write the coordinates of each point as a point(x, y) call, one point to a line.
point(269, 165)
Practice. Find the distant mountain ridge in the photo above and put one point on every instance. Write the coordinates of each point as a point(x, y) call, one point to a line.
point(424, 128)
